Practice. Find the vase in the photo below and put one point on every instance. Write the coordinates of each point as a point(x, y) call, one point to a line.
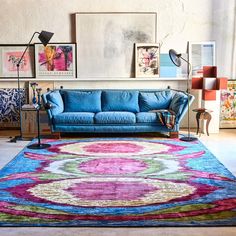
point(34, 99)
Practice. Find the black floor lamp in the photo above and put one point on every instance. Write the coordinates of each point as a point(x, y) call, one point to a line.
point(176, 59)
point(44, 37)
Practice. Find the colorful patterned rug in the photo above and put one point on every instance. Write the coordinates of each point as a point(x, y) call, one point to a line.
point(117, 182)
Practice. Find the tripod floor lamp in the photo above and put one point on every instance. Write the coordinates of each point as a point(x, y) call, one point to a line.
point(44, 37)
point(177, 58)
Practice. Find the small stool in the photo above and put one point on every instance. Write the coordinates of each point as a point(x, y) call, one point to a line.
point(203, 114)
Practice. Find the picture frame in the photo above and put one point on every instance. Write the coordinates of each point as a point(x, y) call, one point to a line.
point(228, 106)
point(10, 54)
point(147, 60)
point(201, 54)
point(107, 48)
point(55, 60)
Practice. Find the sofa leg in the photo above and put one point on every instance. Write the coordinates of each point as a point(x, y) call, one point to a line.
point(56, 135)
point(174, 134)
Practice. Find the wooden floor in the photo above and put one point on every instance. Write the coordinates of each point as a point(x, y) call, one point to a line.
point(222, 145)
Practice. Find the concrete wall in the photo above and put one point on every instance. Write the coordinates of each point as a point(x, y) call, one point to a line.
point(179, 21)
point(223, 31)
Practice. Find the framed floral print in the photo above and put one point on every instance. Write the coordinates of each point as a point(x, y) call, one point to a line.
point(228, 106)
point(147, 60)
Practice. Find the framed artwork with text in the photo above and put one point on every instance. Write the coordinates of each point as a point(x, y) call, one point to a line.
point(55, 60)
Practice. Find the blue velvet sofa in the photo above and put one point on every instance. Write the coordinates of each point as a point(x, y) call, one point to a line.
point(113, 111)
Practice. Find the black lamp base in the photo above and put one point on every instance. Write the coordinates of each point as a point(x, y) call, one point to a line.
point(39, 146)
point(188, 139)
point(18, 138)
point(15, 139)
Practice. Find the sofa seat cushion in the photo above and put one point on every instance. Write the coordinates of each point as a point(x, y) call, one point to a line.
point(115, 117)
point(73, 118)
point(120, 101)
point(82, 101)
point(154, 100)
point(147, 117)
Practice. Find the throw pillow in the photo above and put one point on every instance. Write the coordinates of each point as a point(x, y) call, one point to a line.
point(120, 101)
point(154, 100)
point(82, 101)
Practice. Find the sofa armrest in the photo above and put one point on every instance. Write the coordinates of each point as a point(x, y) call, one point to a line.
point(53, 103)
point(47, 108)
point(180, 104)
point(47, 105)
point(186, 107)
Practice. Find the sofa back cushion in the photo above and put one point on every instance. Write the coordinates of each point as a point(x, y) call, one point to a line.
point(82, 101)
point(55, 100)
point(154, 100)
point(120, 101)
point(178, 102)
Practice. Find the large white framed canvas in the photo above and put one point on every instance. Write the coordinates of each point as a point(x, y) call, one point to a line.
point(105, 42)
point(201, 54)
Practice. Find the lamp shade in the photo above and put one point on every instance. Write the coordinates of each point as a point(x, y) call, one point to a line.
point(45, 37)
point(175, 57)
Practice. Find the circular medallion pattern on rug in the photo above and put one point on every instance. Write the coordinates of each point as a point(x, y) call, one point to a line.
point(138, 166)
point(117, 148)
point(107, 192)
point(113, 166)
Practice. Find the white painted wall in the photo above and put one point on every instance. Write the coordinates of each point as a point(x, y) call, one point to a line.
point(223, 31)
point(179, 21)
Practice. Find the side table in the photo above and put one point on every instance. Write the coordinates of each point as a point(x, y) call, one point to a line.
point(203, 114)
point(29, 122)
point(36, 108)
